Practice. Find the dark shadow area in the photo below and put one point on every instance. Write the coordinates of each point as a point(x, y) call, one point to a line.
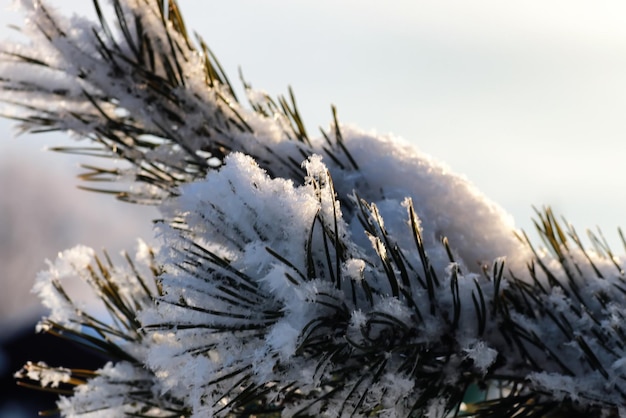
point(22, 345)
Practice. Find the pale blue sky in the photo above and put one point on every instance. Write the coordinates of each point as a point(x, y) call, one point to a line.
point(527, 99)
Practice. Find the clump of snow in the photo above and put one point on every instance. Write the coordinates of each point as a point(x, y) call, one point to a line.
point(249, 204)
point(357, 319)
point(390, 169)
point(112, 393)
point(45, 375)
point(354, 269)
point(144, 253)
point(232, 215)
point(70, 265)
point(481, 355)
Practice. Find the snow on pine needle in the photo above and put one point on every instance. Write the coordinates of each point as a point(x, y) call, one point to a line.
point(341, 275)
point(106, 323)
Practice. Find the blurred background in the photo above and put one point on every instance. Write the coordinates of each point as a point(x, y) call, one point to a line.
point(526, 99)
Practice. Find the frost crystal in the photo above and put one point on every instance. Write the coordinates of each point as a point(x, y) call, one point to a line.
point(48, 377)
point(482, 355)
point(69, 266)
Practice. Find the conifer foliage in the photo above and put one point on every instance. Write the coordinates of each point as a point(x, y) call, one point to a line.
point(341, 275)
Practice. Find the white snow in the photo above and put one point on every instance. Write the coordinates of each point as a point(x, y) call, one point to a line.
point(45, 375)
point(481, 355)
point(354, 269)
point(69, 266)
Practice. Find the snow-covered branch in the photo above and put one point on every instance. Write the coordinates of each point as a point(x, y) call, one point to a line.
point(345, 275)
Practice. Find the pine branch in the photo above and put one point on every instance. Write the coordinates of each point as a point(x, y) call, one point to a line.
point(398, 316)
point(125, 387)
point(138, 96)
point(373, 283)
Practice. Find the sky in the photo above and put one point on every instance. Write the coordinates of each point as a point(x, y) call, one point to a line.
point(526, 99)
